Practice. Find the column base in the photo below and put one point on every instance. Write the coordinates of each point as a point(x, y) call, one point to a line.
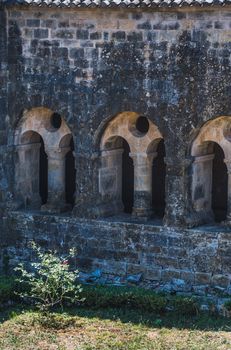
point(142, 213)
point(56, 208)
point(227, 222)
point(142, 205)
point(30, 203)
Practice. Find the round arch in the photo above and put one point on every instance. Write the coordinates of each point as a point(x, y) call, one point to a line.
point(56, 136)
point(142, 136)
point(211, 184)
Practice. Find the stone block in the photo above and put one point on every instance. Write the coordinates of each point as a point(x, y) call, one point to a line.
point(77, 53)
point(95, 36)
point(220, 280)
point(135, 36)
point(145, 25)
point(120, 35)
point(33, 22)
point(202, 278)
point(168, 275)
point(82, 34)
point(41, 33)
point(64, 34)
point(153, 274)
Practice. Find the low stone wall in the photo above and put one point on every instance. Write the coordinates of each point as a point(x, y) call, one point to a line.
point(192, 261)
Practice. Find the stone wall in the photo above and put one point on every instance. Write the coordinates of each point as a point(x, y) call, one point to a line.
point(89, 65)
point(179, 260)
point(3, 104)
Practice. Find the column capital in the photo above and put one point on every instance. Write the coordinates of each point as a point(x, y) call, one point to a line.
point(27, 146)
point(228, 165)
point(142, 158)
point(57, 153)
point(106, 153)
point(86, 155)
point(204, 158)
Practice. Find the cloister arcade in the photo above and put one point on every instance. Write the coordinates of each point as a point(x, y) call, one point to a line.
point(131, 167)
point(44, 152)
point(211, 180)
point(127, 173)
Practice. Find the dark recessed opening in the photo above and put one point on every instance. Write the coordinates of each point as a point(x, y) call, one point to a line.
point(158, 181)
point(127, 179)
point(219, 185)
point(56, 120)
point(142, 124)
point(70, 174)
point(43, 173)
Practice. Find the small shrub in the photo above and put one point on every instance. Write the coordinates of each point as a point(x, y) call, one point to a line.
point(227, 305)
point(119, 297)
point(184, 305)
point(137, 298)
point(7, 288)
point(49, 282)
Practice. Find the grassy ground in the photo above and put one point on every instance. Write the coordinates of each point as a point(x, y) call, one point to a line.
point(83, 329)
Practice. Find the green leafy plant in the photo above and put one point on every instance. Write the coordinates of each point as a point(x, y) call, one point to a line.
point(5, 262)
point(184, 305)
point(7, 288)
point(227, 305)
point(138, 298)
point(118, 297)
point(49, 282)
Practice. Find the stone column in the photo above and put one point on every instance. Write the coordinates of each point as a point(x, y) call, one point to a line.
point(27, 175)
point(56, 201)
point(87, 199)
point(201, 191)
point(202, 182)
point(142, 162)
point(176, 191)
point(110, 181)
point(228, 217)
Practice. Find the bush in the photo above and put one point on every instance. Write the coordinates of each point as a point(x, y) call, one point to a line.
point(184, 305)
point(49, 282)
point(227, 305)
point(7, 289)
point(137, 298)
point(118, 297)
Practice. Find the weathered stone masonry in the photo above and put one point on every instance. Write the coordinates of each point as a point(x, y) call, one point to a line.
point(99, 70)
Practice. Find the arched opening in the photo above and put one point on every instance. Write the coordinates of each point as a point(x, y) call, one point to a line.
point(125, 175)
point(210, 172)
point(158, 180)
point(31, 170)
point(219, 184)
point(127, 179)
point(70, 175)
point(43, 173)
point(116, 177)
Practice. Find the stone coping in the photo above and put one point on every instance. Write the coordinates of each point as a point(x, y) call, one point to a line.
point(156, 225)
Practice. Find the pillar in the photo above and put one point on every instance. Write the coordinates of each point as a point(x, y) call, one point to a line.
point(228, 217)
point(27, 175)
point(176, 191)
point(142, 163)
point(110, 181)
point(56, 201)
point(202, 183)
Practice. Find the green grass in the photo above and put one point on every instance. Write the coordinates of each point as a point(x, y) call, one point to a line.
point(112, 329)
